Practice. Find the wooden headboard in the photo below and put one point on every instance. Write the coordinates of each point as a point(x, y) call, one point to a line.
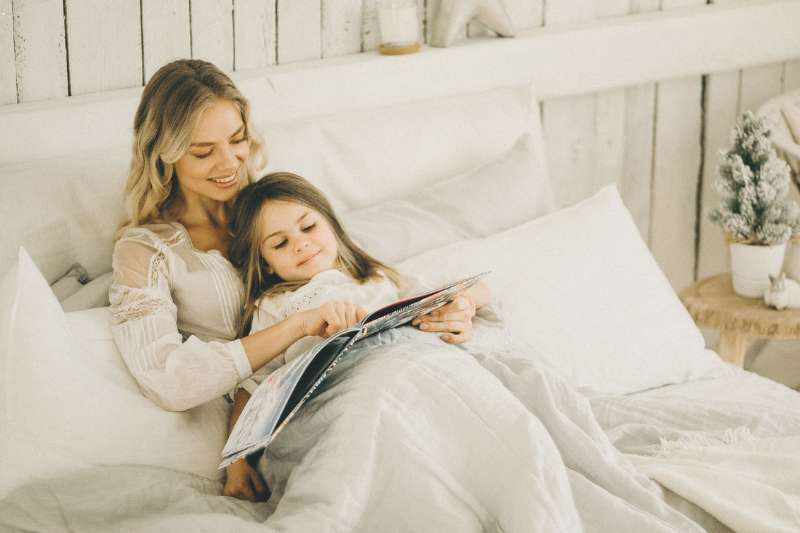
point(631, 66)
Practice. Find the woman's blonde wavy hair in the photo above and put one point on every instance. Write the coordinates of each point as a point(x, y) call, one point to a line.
point(245, 246)
point(169, 113)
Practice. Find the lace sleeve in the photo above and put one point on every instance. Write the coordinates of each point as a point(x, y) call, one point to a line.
point(174, 373)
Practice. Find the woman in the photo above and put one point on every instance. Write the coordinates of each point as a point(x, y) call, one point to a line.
point(176, 300)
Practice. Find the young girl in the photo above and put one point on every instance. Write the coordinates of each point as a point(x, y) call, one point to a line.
point(295, 256)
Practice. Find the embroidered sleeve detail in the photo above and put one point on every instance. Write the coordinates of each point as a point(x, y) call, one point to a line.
point(129, 303)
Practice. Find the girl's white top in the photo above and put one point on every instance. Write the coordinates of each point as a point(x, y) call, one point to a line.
point(328, 286)
point(175, 313)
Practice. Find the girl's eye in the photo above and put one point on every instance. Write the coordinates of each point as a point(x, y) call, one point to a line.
point(309, 228)
point(281, 245)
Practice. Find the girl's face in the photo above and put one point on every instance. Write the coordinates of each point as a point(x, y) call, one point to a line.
point(212, 166)
point(298, 242)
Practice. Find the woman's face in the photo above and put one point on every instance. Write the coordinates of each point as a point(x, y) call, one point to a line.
point(212, 166)
point(297, 241)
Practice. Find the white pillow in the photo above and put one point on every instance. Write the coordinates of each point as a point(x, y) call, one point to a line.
point(582, 290)
point(509, 190)
point(68, 401)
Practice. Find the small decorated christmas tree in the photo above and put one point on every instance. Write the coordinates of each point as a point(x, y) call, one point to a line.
point(753, 182)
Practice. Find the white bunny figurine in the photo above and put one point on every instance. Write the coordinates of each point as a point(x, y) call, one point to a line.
point(783, 293)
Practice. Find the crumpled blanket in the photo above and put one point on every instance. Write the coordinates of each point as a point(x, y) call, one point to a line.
point(739, 462)
point(406, 434)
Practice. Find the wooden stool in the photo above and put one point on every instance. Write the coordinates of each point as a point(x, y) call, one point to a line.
point(713, 304)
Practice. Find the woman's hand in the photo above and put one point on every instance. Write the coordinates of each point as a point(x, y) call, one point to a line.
point(331, 318)
point(454, 318)
point(244, 482)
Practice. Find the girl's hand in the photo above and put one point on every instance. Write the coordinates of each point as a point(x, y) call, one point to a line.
point(244, 482)
point(454, 318)
point(331, 318)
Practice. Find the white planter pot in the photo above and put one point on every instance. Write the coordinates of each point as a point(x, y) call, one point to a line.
point(752, 265)
point(791, 264)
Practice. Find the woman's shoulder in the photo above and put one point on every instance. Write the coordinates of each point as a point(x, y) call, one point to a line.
point(154, 235)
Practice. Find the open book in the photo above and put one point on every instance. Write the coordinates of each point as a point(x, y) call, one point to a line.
point(282, 393)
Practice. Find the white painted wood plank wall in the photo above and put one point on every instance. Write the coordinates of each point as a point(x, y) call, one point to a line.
point(658, 142)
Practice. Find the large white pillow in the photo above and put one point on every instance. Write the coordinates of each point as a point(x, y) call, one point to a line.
point(69, 402)
point(580, 287)
point(511, 189)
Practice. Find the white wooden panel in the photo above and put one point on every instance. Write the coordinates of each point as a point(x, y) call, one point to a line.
point(212, 32)
point(635, 183)
point(8, 69)
point(759, 84)
point(721, 109)
point(254, 33)
point(555, 63)
point(166, 33)
point(105, 45)
point(370, 32)
point(609, 141)
point(675, 177)
point(791, 76)
point(341, 27)
point(557, 12)
point(568, 128)
point(299, 30)
point(39, 49)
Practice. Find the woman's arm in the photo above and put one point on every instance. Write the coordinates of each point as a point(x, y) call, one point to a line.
point(243, 481)
point(455, 318)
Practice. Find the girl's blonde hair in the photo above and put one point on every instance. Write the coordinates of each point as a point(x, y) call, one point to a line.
point(169, 113)
point(244, 250)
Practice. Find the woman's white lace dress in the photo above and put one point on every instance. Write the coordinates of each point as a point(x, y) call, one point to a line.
point(175, 312)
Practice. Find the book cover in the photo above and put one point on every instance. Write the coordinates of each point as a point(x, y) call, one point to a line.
point(284, 391)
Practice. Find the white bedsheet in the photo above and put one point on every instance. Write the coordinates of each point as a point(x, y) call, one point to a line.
point(729, 445)
point(407, 434)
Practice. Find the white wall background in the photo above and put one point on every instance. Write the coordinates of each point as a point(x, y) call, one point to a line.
point(658, 142)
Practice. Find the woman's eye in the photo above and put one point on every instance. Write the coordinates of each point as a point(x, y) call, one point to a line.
point(309, 228)
point(239, 141)
point(203, 156)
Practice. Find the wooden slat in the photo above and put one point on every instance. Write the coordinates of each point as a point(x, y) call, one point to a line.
point(721, 110)
point(675, 176)
point(300, 32)
point(40, 49)
point(105, 45)
point(759, 84)
point(166, 33)
point(8, 68)
point(555, 63)
point(341, 27)
point(212, 32)
point(635, 183)
point(568, 129)
point(254, 33)
point(791, 76)
point(370, 32)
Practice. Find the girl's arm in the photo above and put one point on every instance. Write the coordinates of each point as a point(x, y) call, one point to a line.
point(455, 318)
point(263, 346)
point(243, 481)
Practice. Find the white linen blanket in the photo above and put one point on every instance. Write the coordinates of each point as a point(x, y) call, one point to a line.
point(739, 462)
point(406, 434)
point(750, 485)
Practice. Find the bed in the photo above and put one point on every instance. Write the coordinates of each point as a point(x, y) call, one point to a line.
point(586, 400)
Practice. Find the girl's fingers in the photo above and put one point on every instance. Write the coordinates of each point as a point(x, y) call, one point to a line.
point(456, 338)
